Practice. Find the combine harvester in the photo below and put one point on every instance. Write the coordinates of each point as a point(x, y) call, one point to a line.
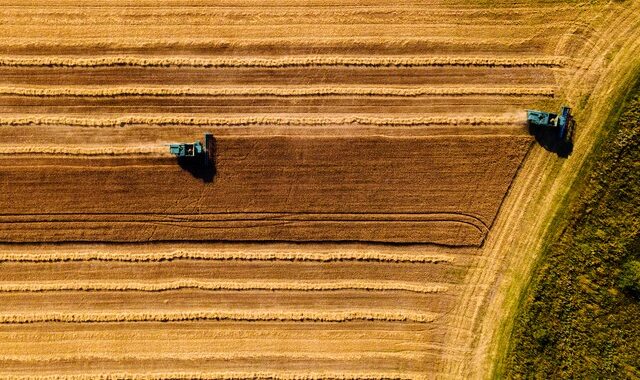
point(562, 122)
point(193, 150)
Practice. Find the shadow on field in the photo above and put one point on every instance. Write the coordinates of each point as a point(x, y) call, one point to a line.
point(548, 138)
point(201, 167)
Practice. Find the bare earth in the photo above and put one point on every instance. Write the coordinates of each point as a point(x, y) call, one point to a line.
point(377, 202)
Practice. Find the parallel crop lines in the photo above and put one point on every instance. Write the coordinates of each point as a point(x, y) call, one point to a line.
point(357, 307)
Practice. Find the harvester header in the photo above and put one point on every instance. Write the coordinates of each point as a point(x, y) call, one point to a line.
point(561, 121)
point(194, 150)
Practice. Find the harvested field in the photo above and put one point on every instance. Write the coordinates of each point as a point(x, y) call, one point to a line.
point(375, 201)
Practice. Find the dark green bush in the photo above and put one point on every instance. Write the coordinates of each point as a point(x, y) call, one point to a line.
point(630, 277)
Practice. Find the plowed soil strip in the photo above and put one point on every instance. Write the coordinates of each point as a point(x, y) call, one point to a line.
point(424, 167)
point(444, 233)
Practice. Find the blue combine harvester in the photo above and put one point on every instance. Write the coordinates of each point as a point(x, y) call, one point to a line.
point(195, 150)
point(560, 121)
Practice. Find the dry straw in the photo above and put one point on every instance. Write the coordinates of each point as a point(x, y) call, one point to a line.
point(229, 375)
point(237, 285)
point(222, 315)
point(258, 120)
point(274, 91)
point(280, 62)
point(241, 255)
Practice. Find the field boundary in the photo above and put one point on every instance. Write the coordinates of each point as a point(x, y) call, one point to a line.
point(625, 82)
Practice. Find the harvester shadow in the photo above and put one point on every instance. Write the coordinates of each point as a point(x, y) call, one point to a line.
point(203, 168)
point(548, 138)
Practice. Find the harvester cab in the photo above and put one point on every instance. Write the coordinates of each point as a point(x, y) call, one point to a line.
point(561, 122)
point(193, 150)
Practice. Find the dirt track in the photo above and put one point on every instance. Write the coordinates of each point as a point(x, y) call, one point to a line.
point(339, 128)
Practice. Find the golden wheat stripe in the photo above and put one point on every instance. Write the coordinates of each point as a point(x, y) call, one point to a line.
point(258, 121)
point(230, 375)
point(274, 91)
point(11, 61)
point(84, 151)
point(222, 315)
point(239, 285)
point(196, 254)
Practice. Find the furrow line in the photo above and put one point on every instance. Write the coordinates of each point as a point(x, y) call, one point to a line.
point(237, 285)
point(274, 91)
point(258, 120)
point(25, 61)
point(222, 315)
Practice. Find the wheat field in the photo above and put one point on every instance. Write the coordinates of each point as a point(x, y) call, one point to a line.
point(377, 202)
